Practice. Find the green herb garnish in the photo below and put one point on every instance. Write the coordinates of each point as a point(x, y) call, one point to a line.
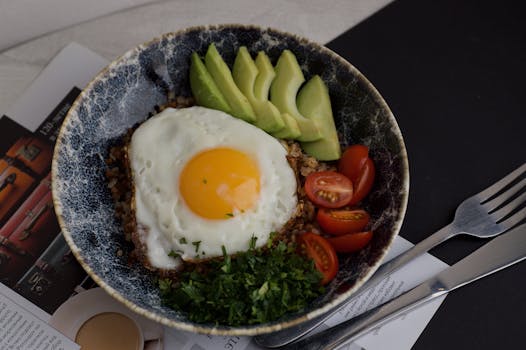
point(256, 286)
point(205, 181)
point(165, 284)
point(196, 244)
point(252, 244)
point(271, 239)
point(182, 240)
point(230, 215)
point(173, 254)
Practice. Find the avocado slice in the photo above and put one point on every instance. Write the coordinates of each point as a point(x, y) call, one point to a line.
point(204, 89)
point(245, 74)
point(240, 107)
point(265, 76)
point(261, 90)
point(283, 93)
point(314, 103)
point(291, 130)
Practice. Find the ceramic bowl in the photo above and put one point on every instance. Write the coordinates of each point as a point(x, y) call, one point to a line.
point(125, 92)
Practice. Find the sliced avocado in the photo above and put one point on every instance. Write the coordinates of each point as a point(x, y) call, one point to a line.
point(314, 103)
point(265, 76)
point(261, 91)
point(283, 93)
point(240, 107)
point(245, 74)
point(291, 130)
point(204, 89)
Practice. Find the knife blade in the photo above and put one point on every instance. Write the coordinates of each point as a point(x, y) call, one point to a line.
point(501, 252)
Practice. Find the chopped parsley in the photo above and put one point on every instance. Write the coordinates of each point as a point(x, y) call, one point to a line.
point(182, 240)
point(196, 244)
point(252, 244)
point(230, 215)
point(273, 235)
point(205, 181)
point(256, 286)
point(173, 254)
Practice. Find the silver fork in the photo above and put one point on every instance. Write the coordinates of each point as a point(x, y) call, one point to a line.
point(486, 214)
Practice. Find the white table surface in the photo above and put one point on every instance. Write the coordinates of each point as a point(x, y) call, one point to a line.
point(112, 34)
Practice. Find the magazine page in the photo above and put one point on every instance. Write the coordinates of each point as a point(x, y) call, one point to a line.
point(38, 272)
point(46, 298)
point(35, 260)
point(20, 327)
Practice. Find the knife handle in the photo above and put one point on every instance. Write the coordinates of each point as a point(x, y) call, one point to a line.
point(351, 329)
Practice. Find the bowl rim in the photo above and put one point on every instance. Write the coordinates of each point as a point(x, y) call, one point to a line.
point(251, 330)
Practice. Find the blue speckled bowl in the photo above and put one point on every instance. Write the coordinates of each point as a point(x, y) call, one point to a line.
point(129, 88)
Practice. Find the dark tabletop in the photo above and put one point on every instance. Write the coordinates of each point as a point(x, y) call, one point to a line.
point(454, 75)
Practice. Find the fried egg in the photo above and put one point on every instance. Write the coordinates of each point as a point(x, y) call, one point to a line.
point(205, 181)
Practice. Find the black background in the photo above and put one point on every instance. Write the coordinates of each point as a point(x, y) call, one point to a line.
point(454, 75)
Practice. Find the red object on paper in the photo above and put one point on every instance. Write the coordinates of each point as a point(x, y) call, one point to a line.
point(38, 228)
point(16, 219)
point(27, 233)
point(15, 184)
point(32, 152)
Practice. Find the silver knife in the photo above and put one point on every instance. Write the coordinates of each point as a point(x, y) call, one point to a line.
point(499, 253)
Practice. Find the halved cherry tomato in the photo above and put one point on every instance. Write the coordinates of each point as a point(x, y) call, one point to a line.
point(323, 254)
point(329, 189)
point(359, 168)
point(351, 242)
point(341, 221)
point(364, 183)
point(352, 161)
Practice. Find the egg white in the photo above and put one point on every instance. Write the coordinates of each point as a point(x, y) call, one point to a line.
point(159, 150)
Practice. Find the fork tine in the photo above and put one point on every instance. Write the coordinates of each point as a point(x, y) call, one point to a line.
point(508, 208)
point(503, 197)
point(499, 185)
point(514, 219)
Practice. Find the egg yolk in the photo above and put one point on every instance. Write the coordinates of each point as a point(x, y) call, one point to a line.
point(220, 182)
